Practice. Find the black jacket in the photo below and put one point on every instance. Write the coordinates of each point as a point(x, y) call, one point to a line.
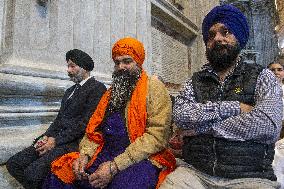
point(223, 157)
point(69, 126)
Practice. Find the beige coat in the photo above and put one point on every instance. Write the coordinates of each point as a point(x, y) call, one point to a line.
point(157, 131)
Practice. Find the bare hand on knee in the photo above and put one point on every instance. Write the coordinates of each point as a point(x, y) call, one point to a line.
point(79, 166)
point(103, 175)
point(49, 145)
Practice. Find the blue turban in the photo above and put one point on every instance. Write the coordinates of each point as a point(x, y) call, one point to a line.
point(232, 18)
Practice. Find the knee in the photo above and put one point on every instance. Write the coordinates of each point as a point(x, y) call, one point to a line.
point(32, 178)
point(11, 164)
point(182, 177)
point(35, 172)
point(31, 174)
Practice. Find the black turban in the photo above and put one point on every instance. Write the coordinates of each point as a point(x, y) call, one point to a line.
point(81, 59)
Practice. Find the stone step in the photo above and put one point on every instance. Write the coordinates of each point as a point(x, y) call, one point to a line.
point(27, 109)
point(14, 139)
point(25, 119)
point(7, 181)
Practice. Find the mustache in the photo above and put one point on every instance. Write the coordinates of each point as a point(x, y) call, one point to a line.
point(76, 78)
point(71, 75)
point(119, 73)
point(219, 46)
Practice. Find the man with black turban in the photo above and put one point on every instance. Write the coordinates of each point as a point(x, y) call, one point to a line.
point(31, 165)
point(232, 110)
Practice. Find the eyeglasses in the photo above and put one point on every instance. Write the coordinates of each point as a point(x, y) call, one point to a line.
point(123, 61)
point(276, 69)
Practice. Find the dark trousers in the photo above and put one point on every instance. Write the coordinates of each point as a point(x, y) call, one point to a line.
point(30, 169)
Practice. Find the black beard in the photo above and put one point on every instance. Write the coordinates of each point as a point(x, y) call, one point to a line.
point(222, 57)
point(124, 82)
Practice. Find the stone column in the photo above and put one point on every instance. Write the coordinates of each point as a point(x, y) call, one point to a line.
point(173, 33)
point(34, 38)
point(280, 26)
point(261, 14)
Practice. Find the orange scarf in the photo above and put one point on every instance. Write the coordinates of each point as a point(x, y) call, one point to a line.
point(137, 117)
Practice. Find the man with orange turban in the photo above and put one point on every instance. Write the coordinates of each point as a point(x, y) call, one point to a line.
point(125, 141)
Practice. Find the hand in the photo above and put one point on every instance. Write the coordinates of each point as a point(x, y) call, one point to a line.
point(79, 166)
point(176, 141)
point(103, 175)
point(49, 145)
point(245, 107)
point(40, 142)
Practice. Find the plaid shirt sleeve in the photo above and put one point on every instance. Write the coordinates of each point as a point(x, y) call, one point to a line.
point(189, 114)
point(263, 123)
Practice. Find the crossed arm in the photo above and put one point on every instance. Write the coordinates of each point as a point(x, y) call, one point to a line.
point(233, 119)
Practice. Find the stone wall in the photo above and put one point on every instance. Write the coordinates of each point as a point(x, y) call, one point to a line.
point(172, 35)
point(177, 46)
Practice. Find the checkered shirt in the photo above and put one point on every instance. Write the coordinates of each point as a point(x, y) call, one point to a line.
point(224, 118)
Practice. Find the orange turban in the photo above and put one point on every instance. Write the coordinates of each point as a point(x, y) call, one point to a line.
point(129, 46)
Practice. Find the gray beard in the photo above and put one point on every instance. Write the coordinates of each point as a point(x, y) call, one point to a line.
point(77, 78)
point(124, 82)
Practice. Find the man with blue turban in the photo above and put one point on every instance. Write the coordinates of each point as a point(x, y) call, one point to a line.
point(232, 110)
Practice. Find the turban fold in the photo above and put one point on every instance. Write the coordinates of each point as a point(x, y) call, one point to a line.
point(232, 18)
point(81, 59)
point(129, 46)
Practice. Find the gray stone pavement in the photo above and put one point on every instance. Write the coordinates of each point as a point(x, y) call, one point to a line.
point(12, 140)
point(6, 181)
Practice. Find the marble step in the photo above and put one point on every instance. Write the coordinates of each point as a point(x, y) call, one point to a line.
point(7, 181)
point(14, 139)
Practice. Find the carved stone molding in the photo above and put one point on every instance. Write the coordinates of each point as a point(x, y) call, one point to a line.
point(179, 4)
